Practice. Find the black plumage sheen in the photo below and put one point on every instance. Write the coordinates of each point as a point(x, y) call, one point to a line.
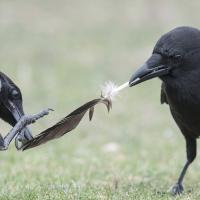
point(176, 61)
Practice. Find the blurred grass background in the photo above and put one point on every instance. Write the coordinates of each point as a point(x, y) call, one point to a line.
point(59, 53)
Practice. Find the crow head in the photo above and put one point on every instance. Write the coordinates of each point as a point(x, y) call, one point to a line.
point(11, 109)
point(175, 55)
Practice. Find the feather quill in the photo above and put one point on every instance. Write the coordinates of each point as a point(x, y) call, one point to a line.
point(110, 90)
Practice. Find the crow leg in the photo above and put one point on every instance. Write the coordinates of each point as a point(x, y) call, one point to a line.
point(191, 148)
point(24, 121)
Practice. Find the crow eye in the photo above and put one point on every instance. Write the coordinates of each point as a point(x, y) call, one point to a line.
point(177, 59)
point(15, 94)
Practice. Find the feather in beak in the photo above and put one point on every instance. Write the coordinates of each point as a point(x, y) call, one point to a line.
point(72, 120)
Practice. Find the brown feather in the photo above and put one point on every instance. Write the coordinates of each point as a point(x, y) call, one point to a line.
point(67, 124)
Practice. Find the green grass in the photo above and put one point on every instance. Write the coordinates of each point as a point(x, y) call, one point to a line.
point(59, 53)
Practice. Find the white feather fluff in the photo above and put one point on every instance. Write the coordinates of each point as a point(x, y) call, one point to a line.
point(110, 90)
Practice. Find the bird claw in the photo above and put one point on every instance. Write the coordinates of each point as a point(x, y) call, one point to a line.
point(20, 141)
point(177, 189)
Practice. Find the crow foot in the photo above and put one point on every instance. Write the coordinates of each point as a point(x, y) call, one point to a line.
point(22, 138)
point(177, 189)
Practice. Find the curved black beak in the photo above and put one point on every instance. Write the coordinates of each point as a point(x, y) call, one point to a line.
point(154, 67)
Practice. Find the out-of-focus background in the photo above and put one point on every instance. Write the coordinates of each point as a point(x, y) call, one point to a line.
point(59, 53)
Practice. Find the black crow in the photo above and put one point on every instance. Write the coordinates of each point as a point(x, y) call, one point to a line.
point(176, 61)
point(11, 111)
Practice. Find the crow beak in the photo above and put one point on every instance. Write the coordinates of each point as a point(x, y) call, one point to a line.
point(152, 68)
point(17, 113)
